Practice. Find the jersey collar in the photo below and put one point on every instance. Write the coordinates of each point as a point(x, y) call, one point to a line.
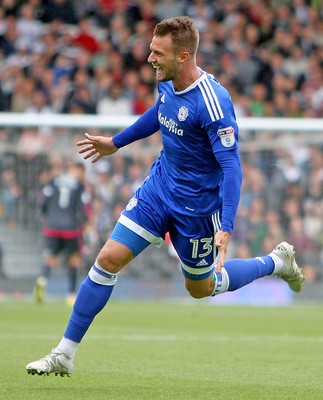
point(202, 77)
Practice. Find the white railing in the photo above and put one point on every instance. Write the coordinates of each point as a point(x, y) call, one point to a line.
point(115, 122)
point(278, 131)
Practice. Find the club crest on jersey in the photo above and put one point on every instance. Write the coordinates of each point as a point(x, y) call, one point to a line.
point(227, 136)
point(131, 204)
point(182, 113)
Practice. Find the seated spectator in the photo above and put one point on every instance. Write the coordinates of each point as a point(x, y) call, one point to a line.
point(22, 96)
point(11, 193)
point(114, 103)
point(28, 27)
point(85, 37)
point(8, 36)
point(62, 10)
point(2, 273)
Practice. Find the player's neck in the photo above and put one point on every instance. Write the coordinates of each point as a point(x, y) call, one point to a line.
point(186, 78)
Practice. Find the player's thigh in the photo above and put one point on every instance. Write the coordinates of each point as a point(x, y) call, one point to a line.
point(146, 216)
point(141, 223)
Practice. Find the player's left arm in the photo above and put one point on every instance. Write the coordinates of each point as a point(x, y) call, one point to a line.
point(232, 178)
point(217, 117)
point(223, 135)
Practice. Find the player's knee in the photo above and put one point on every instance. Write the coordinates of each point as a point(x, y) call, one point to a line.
point(107, 261)
point(198, 292)
point(113, 257)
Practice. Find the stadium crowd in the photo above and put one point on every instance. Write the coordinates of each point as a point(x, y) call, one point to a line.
point(91, 57)
point(64, 56)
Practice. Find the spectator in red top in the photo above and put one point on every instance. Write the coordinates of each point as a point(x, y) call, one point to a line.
point(85, 38)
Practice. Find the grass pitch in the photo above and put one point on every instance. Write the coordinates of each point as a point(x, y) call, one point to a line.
point(172, 351)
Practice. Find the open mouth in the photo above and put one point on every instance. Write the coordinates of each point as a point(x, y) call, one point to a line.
point(159, 69)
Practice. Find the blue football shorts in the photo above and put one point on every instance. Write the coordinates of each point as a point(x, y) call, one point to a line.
point(146, 220)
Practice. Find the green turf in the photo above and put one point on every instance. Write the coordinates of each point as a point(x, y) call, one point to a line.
point(171, 351)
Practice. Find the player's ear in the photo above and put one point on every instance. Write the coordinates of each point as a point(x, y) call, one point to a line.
point(183, 56)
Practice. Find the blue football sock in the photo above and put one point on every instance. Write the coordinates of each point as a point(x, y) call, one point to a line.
point(241, 272)
point(90, 300)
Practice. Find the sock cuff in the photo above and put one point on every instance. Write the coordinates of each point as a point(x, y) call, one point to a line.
point(67, 347)
point(278, 263)
point(221, 282)
point(102, 277)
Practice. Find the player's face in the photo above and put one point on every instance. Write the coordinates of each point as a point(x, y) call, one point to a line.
point(164, 59)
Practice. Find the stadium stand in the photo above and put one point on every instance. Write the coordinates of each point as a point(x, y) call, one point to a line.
point(90, 57)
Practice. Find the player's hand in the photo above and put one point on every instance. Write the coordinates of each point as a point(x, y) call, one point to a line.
point(221, 240)
point(96, 147)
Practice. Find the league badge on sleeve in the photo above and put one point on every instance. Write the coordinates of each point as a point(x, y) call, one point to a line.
point(227, 136)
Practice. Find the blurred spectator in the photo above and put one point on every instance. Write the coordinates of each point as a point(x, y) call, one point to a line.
point(143, 99)
point(29, 29)
point(62, 202)
point(11, 194)
point(85, 38)
point(137, 55)
point(247, 67)
point(2, 273)
point(39, 104)
point(116, 67)
point(303, 244)
point(169, 8)
point(22, 96)
point(296, 65)
point(313, 221)
point(62, 66)
point(3, 101)
point(258, 228)
point(62, 10)
point(201, 12)
point(114, 103)
point(258, 105)
point(8, 35)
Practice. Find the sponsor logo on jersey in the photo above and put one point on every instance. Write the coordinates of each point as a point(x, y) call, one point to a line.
point(182, 113)
point(227, 136)
point(131, 204)
point(170, 124)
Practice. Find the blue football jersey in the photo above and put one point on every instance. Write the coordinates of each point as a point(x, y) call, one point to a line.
point(197, 125)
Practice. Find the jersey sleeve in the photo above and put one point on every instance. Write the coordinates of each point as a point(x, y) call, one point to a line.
point(232, 178)
point(223, 136)
point(146, 125)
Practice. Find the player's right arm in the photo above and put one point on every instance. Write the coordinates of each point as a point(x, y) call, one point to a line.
point(100, 146)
